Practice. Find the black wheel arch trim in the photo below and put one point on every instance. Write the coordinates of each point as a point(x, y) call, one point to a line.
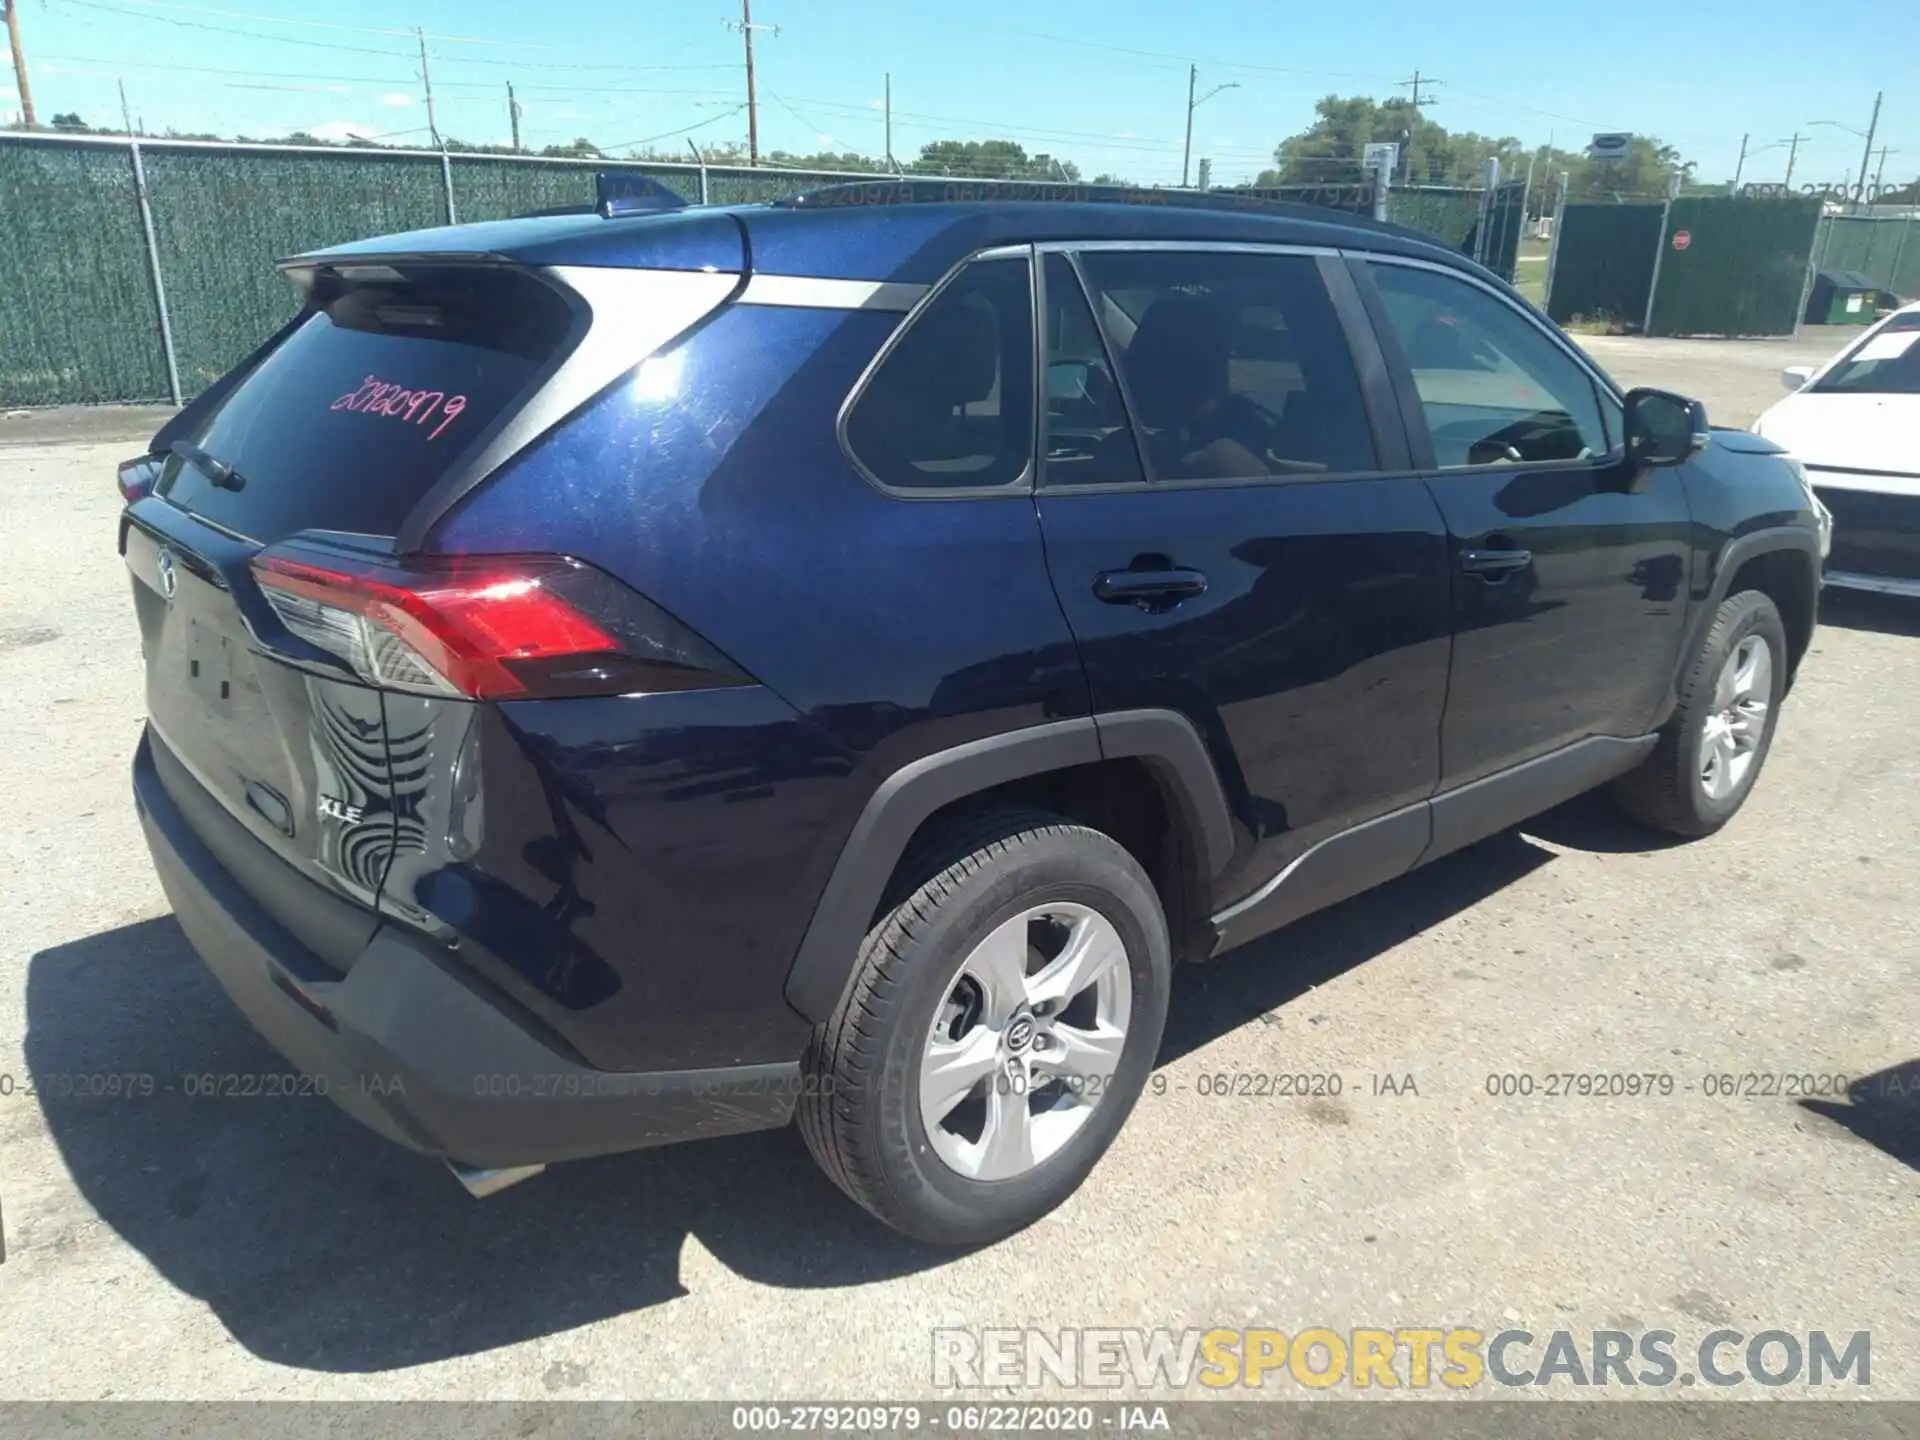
point(1735, 553)
point(1164, 739)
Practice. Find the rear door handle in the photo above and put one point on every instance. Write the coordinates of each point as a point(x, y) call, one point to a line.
point(1149, 589)
point(1495, 564)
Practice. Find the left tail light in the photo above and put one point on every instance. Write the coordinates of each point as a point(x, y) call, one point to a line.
point(489, 627)
point(137, 477)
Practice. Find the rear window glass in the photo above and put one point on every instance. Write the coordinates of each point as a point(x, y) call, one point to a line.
point(349, 422)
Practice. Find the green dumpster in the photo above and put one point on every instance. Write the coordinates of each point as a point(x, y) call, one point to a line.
point(1842, 297)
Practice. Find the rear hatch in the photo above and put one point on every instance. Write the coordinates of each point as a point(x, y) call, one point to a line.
point(272, 728)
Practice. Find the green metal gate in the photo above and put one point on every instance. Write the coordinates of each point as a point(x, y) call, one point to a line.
point(1603, 264)
point(1729, 265)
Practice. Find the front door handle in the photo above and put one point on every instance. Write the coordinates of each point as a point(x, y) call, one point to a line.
point(1150, 590)
point(1494, 564)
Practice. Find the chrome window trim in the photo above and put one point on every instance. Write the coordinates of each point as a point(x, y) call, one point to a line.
point(1231, 247)
point(1021, 484)
point(816, 292)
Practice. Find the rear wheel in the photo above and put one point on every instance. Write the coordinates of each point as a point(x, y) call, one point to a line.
point(1002, 1019)
point(1711, 751)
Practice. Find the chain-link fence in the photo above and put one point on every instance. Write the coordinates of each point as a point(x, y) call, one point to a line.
point(1884, 248)
point(145, 271)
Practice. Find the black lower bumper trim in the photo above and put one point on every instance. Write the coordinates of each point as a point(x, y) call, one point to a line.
point(405, 1047)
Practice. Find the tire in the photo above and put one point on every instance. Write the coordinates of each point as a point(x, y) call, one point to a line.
point(1670, 789)
point(861, 1109)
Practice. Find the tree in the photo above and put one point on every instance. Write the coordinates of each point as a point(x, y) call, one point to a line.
point(990, 160)
point(70, 122)
point(1329, 151)
point(581, 148)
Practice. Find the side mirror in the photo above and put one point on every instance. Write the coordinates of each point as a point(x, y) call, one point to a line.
point(1664, 428)
point(1067, 380)
point(1796, 376)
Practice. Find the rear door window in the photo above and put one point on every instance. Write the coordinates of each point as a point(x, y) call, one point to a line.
point(951, 406)
point(350, 421)
point(1235, 363)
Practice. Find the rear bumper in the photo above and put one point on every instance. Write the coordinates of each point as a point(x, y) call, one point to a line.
point(419, 1054)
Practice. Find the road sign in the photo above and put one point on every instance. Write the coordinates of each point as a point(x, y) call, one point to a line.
point(1611, 145)
point(1682, 239)
point(1384, 155)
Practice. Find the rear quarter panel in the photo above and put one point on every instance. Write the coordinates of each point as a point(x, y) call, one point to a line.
point(882, 629)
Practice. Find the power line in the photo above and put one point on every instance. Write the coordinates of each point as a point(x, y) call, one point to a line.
point(490, 86)
point(230, 30)
point(669, 134)
point(321, 24)
point(119, 9)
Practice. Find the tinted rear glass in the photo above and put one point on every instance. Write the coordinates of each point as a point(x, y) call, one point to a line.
point(375, 396)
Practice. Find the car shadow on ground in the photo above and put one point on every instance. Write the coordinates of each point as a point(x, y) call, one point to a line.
point(319, 1245)
point(1865, 610)
point(1883, 1109)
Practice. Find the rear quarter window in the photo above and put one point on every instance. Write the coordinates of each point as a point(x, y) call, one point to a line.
point(374, 396)
point(951, 405)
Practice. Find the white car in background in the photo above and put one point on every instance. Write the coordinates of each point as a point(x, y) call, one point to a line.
point(1854, 423)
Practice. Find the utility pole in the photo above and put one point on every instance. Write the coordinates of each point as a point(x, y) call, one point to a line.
point(746, 27)
point(753, 112)
point(12, 9)
point(1881, 168)
point(1413, 130)
point(126, 112)
point(1186, 151)
point(1193, 74)
point(513, 116)
point(889, 104)
point(1740, 164)
point(426, 81)
point(1867, 154)
point(1793, 141)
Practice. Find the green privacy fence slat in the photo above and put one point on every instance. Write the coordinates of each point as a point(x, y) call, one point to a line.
point(1886, 248)
point(1603, 263)
point(489, 189)
point(1744, 271)
point(77, 316)
point(1444, 212)
point(222, 220)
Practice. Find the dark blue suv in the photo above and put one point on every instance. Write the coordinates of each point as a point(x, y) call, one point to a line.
point(616, 680)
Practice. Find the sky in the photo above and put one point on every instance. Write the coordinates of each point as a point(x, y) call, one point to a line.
point(1100, 82)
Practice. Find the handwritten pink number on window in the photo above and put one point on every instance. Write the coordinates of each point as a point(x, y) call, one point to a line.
point(455, 404)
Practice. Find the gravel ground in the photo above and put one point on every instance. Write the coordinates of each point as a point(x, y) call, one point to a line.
point(1736, 378)
point(253, 1249)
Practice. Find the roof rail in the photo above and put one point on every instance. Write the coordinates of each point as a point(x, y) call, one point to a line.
point(1351, 201)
